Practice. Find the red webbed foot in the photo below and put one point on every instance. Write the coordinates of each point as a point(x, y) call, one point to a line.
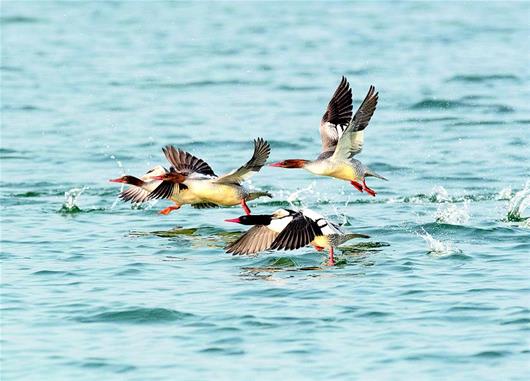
point(169, 209)
point(371, 192)
point(358, 186)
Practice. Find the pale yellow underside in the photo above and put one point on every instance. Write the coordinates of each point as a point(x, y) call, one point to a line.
point(321, 241)
point(221, 194)
point(340, 170)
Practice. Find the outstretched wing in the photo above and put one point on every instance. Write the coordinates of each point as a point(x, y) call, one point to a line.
point(185, 163)
point(256, 239)
point(165, 190)
point(337, 116)
point(262, 151)
point(298, 233)
point(135, 195)
point(352, 140)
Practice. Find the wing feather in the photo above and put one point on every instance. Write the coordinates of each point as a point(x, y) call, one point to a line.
point(337, 116)
point(165, 190)
point(352, 140)
point(185, 163)
point(298, 233)
point(256, 239)
point(261, 153)
point(135, 195)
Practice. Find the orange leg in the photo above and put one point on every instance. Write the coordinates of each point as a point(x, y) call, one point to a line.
point(331, 261)
point(169, 209)
point(357, 185)
point(371, 192)
point(245, 207)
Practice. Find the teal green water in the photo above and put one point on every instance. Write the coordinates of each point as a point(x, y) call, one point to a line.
point(95, 290)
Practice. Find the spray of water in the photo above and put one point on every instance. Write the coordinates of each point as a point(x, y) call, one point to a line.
point(504, 194)
point(122, 170)
point(518, 205)
point(454, 214)
point(70, 200)
point(439, 194)
point(436, 247)
point(298, 196)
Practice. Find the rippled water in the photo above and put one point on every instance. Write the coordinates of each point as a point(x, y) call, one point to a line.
point(95, 290)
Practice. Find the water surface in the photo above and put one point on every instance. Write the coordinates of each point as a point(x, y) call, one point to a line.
point(95, 290)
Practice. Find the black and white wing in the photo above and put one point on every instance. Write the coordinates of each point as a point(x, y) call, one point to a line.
point(352, 139)
point(185, 163)
point(337, 116)
point(300, 232)
point(261, 153)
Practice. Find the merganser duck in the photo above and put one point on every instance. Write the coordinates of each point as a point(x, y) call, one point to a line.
point(342, 138)
point(287, 229)
point(140, 189)
point(199, 178)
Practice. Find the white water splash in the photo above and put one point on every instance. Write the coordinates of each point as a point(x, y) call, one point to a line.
point(439, 194)
point(300, 195)
point(122, 170)
point(70, 199)
point(518, 205)
point(453, 214)
point(504, 194)
point(436, 247)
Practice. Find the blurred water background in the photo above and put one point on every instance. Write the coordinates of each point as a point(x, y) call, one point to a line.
point(95, 290)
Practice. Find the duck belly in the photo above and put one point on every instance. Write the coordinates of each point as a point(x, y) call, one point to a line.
point(321, 241)
point(185, 196)
point(221, 194)
point(344, 171)
point(339, 169)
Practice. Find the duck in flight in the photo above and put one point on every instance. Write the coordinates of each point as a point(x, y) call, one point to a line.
point(342, 138)
point(197, 177)
point(140, 188)
point(287, 229)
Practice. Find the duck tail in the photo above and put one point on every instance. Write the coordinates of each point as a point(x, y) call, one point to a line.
point(338, 239)
point(355, 235)
point(254, 195)
point(369, 172)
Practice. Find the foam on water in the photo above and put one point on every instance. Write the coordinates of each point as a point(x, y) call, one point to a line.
point(518, 205)
point(453, 214)
point(436, 247)
point(439, 194)
point(70, 200)
point(505, 194)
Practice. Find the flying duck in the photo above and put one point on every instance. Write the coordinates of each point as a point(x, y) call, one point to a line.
point(342, 138)
point(197, 176)
point(287, 229)
point(141, 188)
